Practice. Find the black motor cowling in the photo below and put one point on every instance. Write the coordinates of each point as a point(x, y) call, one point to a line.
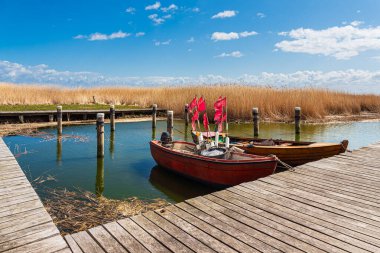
point(166, 138)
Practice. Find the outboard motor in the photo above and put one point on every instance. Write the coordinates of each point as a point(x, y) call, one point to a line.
point(166, 139)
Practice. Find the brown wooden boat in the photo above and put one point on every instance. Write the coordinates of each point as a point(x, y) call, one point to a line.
point(233, 169)
point(291, 152)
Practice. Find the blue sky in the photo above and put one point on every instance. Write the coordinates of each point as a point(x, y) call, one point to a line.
point(269, 42)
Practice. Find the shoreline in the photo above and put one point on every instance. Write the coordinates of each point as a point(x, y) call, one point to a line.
point(32, 128)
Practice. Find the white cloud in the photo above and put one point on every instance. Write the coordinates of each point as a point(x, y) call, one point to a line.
point(100, 36)
point(356, 23)
point(154, 6)
point(341, 42)
point(216, 36)
point(171, 7)
point(139, 34)
point(167, 16)
point(247, 34)
point(260, 15)
point(156, 19)
point(196, 9)
point(225, 14)
point(162, 43)
point(130, 10)
point(191, 40)
point(376, 57)
point(359, 81)
point(235, 54)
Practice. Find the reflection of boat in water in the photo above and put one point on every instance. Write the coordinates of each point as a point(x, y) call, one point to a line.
point(176, 187)
point(234, 169)
point(291, 152)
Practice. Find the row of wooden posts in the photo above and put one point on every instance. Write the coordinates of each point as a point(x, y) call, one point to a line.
point(170, 121)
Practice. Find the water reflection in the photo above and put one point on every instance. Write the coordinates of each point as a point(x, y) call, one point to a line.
point(59, 150)
point(112, 144)
point(153, 133)
point(176, 187)
point(99, 186)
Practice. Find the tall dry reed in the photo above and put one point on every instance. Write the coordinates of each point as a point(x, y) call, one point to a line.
point(275, 104)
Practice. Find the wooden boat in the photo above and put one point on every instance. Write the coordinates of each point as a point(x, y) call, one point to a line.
point(181, 158)
point(291, 152)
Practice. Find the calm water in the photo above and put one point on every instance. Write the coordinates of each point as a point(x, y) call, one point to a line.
point(128, 168)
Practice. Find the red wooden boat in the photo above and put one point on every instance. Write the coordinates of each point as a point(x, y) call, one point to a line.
point(181, 158)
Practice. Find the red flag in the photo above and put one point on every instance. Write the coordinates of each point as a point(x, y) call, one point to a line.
point(193, 126)
point(205, 122)
point(193, 103)
point(201, 104)
point(218, 115)
point(220, 103)
point(224, 118)
point(195, 116)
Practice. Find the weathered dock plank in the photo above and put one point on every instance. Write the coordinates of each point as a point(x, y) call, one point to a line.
point(25, 225)
point(332, 205)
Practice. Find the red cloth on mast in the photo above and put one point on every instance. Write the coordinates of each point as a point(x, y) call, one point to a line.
point(205, 122)
point(220, 102)
point(193, 119)
point(201, 104)
point(193, 104)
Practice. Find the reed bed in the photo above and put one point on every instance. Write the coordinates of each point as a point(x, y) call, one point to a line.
point(273, 103)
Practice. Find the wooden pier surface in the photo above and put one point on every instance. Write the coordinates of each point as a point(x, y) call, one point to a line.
point(25, 225)
point(332, 205)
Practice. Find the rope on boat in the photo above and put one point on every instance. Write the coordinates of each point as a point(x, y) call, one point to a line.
point(287, 166)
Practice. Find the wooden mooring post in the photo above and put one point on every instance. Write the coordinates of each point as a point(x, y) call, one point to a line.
point(59, 120)
point(256, 119)
point(187, 114)
point(100, 134)
point(112, 117)
point(169, 126)
point(297, 119)
point(154, 115)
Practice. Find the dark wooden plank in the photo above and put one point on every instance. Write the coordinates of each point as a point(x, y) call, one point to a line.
point(124, 238)
point(194, 231)
point(72, 244)
point(105, 240)
point(363, 214)
point(47, 245)
point(265, 225)
point(27, 236)
point(348, 238)
point(86, 243)
point(211, 230)
point(281, 199)
point(160, 235)
point(142, 236)
point(176, 232)
point(251, 236)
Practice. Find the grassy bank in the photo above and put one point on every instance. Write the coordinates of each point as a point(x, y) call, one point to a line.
point(274, 104)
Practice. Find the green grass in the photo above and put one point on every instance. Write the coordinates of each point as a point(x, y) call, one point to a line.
point(64, 107)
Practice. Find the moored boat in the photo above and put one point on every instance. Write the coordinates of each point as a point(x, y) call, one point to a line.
point(233, 169)
point(291, 152)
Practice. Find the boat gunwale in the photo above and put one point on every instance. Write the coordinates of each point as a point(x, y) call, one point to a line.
point(255, 158)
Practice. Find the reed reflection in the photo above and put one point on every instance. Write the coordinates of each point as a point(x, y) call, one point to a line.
point(99, 185)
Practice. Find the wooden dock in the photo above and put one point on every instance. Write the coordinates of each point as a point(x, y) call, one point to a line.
point(68, 115)
point(332, 205)
point(25, 225)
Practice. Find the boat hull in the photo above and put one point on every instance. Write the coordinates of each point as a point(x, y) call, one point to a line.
point(298, 155)
point(217, 172)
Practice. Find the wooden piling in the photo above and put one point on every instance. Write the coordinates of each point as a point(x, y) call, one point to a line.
point(297, 119)
point(256, 119)
point(59, 120)
point(21, 118)
point(187, 114)
point(51, 118)
point(112, 117)
point(169, 126)
point(100, 134)
point(154, 115)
